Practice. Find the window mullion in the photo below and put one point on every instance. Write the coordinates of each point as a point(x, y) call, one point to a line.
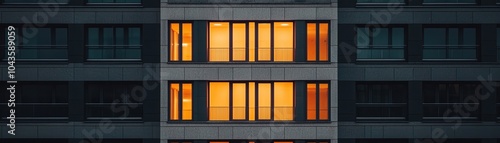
point(317, 101)
point(247, 102)
point(257, 41)
point(179, 43)
point(272, 41)
point(231, 106)
point(257, 101)
point(179, 98)
point(317, 42)
point(231, 41)
point(272, 101)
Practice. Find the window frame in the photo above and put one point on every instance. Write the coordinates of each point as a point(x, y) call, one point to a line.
point(123, 85)
point(256, 40)
point(390, 33)
point(169, 27)
point(317, 84)
point(369, 85)
point(180, 108)
point(460, 34)
point(329, 38)
point(448, 85)
point(21, 94)
point(20, 39)
point(256, 107)
point(101, 38)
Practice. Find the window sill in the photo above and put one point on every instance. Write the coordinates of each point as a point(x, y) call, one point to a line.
point(248, 122)
point(380, 60)
point(454, 60)
point(114, 119)
point(174, 62)
point(114, 60)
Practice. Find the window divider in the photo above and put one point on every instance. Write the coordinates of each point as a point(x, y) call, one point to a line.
point(256, 28)
point(317, 41)
point(272, 99)
point(317, 101)
point(179, 45)
point(231, 86)
point(231, 46)
point(247, 45)
point(272, 42)
point(247, 103)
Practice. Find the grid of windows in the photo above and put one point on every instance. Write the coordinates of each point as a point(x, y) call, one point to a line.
point(450, 43)
point(38, 101)
point(317, 101)
point(48, 42)
point(271, 101)
point(380, 43)
point(386, 101)
point(440, 99)
point(112, 100)
point(114, 42)
point(251, 41)
point(318, 48)
point(181, 101)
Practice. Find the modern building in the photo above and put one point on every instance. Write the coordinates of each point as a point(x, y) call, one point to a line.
point(248, 71)
point(85, 70)
point(419, 71)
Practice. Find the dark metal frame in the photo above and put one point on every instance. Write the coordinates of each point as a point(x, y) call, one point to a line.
point(101, 38)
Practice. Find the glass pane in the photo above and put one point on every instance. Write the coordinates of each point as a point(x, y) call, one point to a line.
point(311, 101)
point(380, 37)
point(187, 42)
point(283, 41)
point(187, 101)
point(311, 41)
point(251, 101)
point(239, 101)
point(239, 42)
point(251, 41)
point(120, 38)
point(283, 101)
point(108, 36)
point(134, 36)
point(219, 41)
point(219, 101)
point(61, 36)
point(323, 41)
point(264, 39)
point(381, 1)
point(434, 36)
point(174, 41)
point(264, 101)
point(398, 36)
point(323, 101)
point(469, 36)
point(452, 37)
point(174, 101)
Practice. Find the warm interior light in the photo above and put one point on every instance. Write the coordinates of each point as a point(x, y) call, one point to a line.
point(186, 100)
point(284, 24)
point(217, 24)
point(184, 44)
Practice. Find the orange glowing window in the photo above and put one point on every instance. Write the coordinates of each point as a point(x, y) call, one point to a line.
point(219, 42)
point(283, 41)
point(283, 101)
point(318, 41)
point(317, 101)
point(264, 46)
point(251, 41)
point(251, 101)
point(181, 42)
point(181, 97)
point(219, 101)
point(239, 42)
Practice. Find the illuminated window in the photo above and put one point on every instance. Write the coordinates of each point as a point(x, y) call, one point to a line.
point(181, 104)
point(251, 41)
point(250, 101)
point(317, 101)
point(318, 42)
point(181, 42)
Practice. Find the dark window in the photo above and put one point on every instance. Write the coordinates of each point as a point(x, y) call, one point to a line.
point(34, 1)
point(441, 100)
point(39, 43)
point(113, 100)
point(38, 101)
point(113, 1)
point(381, 43)
point(450, 43)
point(317, 101)
point(450, 1)
point(381, 1)
point(443, 140)
point(386, 101)
point(382, 141)
point(498, 44)
point(114, 42)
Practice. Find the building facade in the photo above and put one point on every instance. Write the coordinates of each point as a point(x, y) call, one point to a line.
point(81, 70)
point(418, 71)
point(248, 71)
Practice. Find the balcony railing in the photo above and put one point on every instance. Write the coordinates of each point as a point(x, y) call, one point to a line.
point(386, 111)
point(39, 111)
point(105, 111)
point(281, 54)
point(40, 52)
point(381, 52)
point(127, 52)
point(441, 111)
point(454, 52)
